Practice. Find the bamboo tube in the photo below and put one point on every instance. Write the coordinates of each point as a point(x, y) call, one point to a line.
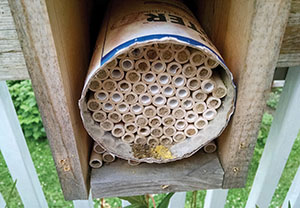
point(209, 114)
point(122, 107)
point(143, 131)
point(95, 85)
point(116, 97)
point(213, 102)
point(136, 53)
point(181, 124)
point(165, 140)
point(178, 81)
point(108, 157)
point(163, 79)
point(121, 56)
point(204, 73)
point(149, 77)
point(96, 160)
point(151, 54)
point(208, 86)
point(158, 66)
point(149, 111)
point(199, 107)
point(99, 116)
point(199, 96)
point(169, 130)
point(167, 56)
point(191, 116)
point(108, 107)
point(162, 46)
point(220, 90)
point(190, 131)
point(136, 108)
point(130, 98)
point(182, 56)
point(210, 63)
point(107, 125)
point(179, 137)
point(124, 86)
point(103, 74)
point(178, 47)
point(187, 104)
point(163, 111)
point(154, 89)
point(133, 163)
point(168, 120)
point(128, 118)
point(115, 117)
point(201, 123)
point(145, 99)
point(128, 138)
point(210, 147)
point(141, 121)
point(193, 84)
point(139, 88)
point(98, 149)
point(101, 95)
point(93, 105)
point(168, 90)
point(152, 141)
point(178, 113)
point(127, 64)
point(159, 100)
point(116, 74)
point(142, 65)
point(189, 71)
point(173, 102)
point(118, 130)
point(132, 76)
point(182, 92)
point(112, 64)
point(155, 121)
point(197, 58)
point(174, 68)
point(156, 132)
point(109, 85)
point(130, 128)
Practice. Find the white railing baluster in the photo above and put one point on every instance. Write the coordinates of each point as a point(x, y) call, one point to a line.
point(125, 203)
point(293, 195)
point(283, 132)
point(16, 155)
point(215, 198)
point(177, 200)
point(84, 203)
point(2, 202)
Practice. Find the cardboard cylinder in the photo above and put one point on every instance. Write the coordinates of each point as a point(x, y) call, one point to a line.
point(166, 31)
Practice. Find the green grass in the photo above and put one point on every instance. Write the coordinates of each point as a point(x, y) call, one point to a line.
point(41, 155)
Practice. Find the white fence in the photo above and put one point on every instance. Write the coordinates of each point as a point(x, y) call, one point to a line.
point(284, 129)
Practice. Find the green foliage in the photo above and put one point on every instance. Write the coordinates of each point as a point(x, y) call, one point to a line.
point(26, 108)
point(274, 97)
point(264, 130)
point(165, 202)
point(136, 201)
point(13, 187)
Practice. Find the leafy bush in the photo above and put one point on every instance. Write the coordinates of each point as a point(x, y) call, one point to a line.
point(274, 97)
point(26, 108)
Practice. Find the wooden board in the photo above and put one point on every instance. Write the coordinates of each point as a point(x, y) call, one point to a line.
point(55, 41)
point(248, 34)
point(12, 63)
point(201, 171)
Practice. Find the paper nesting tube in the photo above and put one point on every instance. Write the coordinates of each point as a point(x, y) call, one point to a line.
point(156, 132)
point(95, 85)
point(149, 111)
point(187, 104)
point(130, 98)
point(101, 95)
point(168, 120)
point(178, 81)
point(178, 113)
point(107, 125)
point(127, 64)
point(145, 99)
point(141, 121)
point(181, 124)
point(167, 55)
point(109, 85)
point(213, 102)
point(191, 116)
point(143, 131)
point(159, 100)
point(201, 123)
point(182, 93)
point(182, 56)
point(151, 54)
point(163, 79)
point(211, 63)
point(103, 74)
point(114, 117)
point(169, 130)
point(197, 58)
point(116, 97)
point(133, 163)
point(158, 66)
point(124, 86)
point(136, 108)
point(165, 140)
point(220, 89)
point(193, 84)
point(154, 89)
point(204, 73)
point(128, 138)
point(93, 105)
point(209, 114)
point(108, 107)
point(122, 107)
point(190, 130)
point(139, 88)
point(136, 53)
point(163, 111)
point(208, 85)
point(177, 47)
point(152, 141)
point(210, 147)
point(179, 137)
point(199, 107)
point(199, 96)
point(142, 65)
point(108, 157)
point(121, 56)
point(99, 116)
point(132, 76)
point(168, 90)
point(95, 160)
point(128, 118)
point(189, 71)
point(155, 121)
point(174, 68)
point(98, 149)
point(130, 127)
point(118, 130)
point(112, 64)
point(173, 102)
point(162, 46)
point(116, 74)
